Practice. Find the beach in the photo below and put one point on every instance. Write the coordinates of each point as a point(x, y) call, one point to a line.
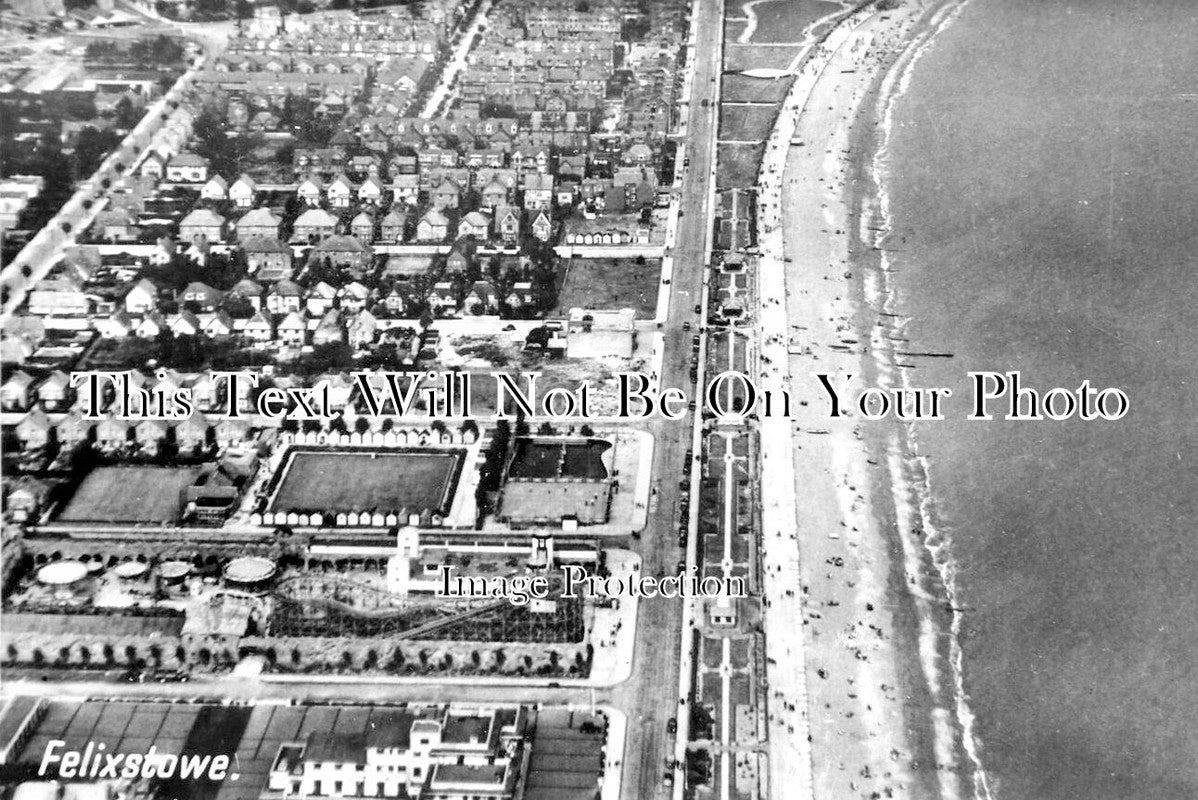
point(883, 715)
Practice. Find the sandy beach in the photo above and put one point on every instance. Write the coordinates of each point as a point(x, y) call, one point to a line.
point(875, 728)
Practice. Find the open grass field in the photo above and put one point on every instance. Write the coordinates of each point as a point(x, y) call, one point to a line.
point(753, 90)
point(611, 283)
point(130, 494)
point(746, 123)
point(751, 56)
point(785, 20)
point(738, 165)
point(361, 481)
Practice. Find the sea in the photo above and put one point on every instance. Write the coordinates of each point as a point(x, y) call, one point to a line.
point(1041, 179)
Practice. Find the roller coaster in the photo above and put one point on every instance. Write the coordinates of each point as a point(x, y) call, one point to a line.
point(335, 606)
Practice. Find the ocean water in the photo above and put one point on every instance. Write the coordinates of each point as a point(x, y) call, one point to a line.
point(1042, 175)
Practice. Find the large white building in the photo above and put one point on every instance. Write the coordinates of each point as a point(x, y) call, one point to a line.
point(448, 753)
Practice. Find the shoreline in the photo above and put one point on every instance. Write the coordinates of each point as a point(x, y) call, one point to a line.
point(927, 574)
point(877, 723)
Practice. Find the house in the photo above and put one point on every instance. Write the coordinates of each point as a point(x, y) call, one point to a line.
point(205, 391)
point(285, 297)
point(150, 326)
point(572, 164)
point(154, 166)
point(33, 431)
point(494, 194)
point(142, 298)
point(328, 330)
point(362, 227)
point(312, 225)
point(311, 190)
point(476, 224)
point(200, 296)
point(117, 325)
point(245, 292)
point(565, 193)
point(187, 168)
point(353, 296)
point(202, 223)
point(521, 295)
point(16, 394)
point(344, 252)
point(112, 434)
point(542, 228)
point(191, 435)
point(405, 188)
point(62, 297)
point(216, 325)
point(593, 333)
point(442, 298)
point(340, 192)
point(150, 434)
point(116, 225)
point(432, 227)
point(267, 259)
point(507, 221)
point(216, 189)
point(638, 155)
point(259, 222)
point(447, 194)
point(258, 328)
point(293, 331)
point(371, 190)
point(392, 228)
point(74, 430)
point(185, 323)
point(54, 392)
point(362, 329)
point(538, 191)
point(462, 255)
point(319, 299)
point(482, 298)
point(230, 431)
point(164, 251)
point(243, 191)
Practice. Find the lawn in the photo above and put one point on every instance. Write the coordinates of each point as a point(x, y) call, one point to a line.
point(785, 20)
point(753, 90)
point(746, 123)
point(738, 165)
point(130, 494)
point(366, 481)
point(610, 283)
point(739, 57)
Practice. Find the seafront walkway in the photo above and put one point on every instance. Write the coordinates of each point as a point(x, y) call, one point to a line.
point(790, 763)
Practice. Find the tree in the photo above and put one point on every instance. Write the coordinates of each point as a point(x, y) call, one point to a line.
point(92, 146)
point(126, 115)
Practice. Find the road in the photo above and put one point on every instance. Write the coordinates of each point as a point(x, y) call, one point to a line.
point(663, 623)
point(457, 61)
